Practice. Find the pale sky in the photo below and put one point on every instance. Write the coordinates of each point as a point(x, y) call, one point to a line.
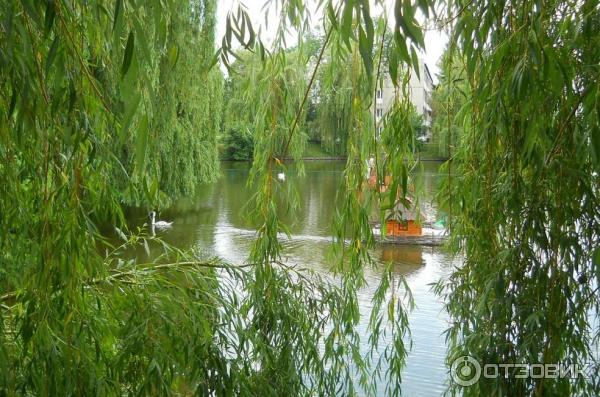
point(434, 41)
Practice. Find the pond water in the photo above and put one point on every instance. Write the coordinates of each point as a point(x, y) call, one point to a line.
point(214, 224)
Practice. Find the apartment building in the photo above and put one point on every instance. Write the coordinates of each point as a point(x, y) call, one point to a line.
point(419, 87)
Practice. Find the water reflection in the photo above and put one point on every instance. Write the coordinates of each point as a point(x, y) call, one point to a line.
point(214, 223)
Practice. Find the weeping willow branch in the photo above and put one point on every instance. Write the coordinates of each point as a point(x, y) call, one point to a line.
point(145, 269)
point(78, 56)
point(306, 92)
point(377, 179)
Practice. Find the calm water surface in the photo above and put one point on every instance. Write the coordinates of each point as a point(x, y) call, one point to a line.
point(214, 224)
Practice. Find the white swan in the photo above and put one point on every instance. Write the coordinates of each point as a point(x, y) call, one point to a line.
point(158, 224)
point(281, 176)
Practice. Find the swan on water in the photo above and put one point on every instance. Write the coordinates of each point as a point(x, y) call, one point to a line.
point(158, 223)
point(281, 176)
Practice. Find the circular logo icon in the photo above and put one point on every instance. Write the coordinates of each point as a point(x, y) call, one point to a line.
point(465, 371)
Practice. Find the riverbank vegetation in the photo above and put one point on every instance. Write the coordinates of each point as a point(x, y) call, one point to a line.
point(107, 103)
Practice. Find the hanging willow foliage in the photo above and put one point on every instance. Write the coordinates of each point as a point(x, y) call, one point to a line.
point(246, 83)
point(525, 197)
point(335, 99)
point(158, 79)
point(188, 101)
point(523, 205)
point(448, 99)
point(350, 26)
point(77, 81)
point(87, 124)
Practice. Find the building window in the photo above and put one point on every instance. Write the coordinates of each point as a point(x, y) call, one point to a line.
point(379, 94)
point(379, 113)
